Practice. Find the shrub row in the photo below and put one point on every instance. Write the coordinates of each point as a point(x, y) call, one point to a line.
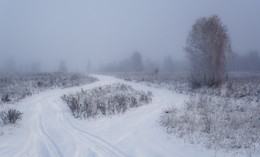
point(106, 100)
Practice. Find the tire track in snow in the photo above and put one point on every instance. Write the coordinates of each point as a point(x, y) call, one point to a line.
point(54, 148)
point(49, 144)
point(85, 137)
point(38, 142)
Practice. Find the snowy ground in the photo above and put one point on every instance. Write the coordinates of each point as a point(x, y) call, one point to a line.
point(48, 129)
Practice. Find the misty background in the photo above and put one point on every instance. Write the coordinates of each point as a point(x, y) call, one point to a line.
point(91, 35)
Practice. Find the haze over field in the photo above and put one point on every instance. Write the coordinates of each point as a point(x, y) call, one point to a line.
point(99, 32)
point(129, 78)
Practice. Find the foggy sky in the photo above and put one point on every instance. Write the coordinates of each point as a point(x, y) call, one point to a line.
point(102, 31)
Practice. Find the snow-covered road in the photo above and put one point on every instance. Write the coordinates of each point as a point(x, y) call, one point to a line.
point(49, 130)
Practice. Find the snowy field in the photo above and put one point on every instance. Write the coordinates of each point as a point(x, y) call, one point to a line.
point(49, 129)
point(14, 87)
point(239, 85)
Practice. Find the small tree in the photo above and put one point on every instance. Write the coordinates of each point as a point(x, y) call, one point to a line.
point(36, 67)
point(136, 62)
point(88, 66)
point(208, 47)
point(63, 67)
point(168, 64)
point(10, 66)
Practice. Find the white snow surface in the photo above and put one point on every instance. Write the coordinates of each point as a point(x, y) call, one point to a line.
point(48, 129)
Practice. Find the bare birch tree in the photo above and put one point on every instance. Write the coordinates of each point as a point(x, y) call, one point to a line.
point(208, 48)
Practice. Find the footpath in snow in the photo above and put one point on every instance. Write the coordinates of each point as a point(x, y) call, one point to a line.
point(49, 130)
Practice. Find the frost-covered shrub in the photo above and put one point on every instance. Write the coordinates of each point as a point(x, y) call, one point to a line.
point(217, 122)
point(10, 116)
point(5, 98)
point(106, 100)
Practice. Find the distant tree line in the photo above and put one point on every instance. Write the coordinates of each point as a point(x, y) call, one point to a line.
point(132, 64)
point(136, 63)
point(247, 62)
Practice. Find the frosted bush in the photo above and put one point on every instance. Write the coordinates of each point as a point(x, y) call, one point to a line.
point(106, 100)
point(217, 122)
point(10, 116)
